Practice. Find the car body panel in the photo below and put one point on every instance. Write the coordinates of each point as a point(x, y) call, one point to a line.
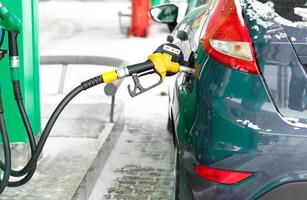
point(229, 119)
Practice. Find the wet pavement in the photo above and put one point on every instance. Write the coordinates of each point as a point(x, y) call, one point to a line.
point(140, 166)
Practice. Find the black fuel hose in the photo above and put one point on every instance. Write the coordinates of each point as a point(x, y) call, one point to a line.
point(25, 118)
point(33, 160)
point(29, 175)
point(31, 140)
point(29, 170)
point(18, 98)
point(7, 150)
point(13, 47)
point(13, 52)
point(29, 130)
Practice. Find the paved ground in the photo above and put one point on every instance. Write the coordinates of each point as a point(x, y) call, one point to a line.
point(141, 165)
point(71, 150)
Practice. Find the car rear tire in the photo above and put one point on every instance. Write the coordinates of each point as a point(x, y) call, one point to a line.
point(179, 184)
point(177, 187)
point(182, 191)
point(170, 125)
point(171, 129)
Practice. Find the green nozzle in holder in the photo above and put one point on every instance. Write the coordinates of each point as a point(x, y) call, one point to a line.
point(12, 24)
point(9, 21)
point(13, 51)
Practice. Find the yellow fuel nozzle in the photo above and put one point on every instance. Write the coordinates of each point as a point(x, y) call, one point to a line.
point(166, 60)
point(163, 64)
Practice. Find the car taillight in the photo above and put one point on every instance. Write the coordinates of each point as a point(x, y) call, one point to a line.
point(221, 176)
point(227, 39)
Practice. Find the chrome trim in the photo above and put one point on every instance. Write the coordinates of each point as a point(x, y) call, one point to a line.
point(122, 72)
point(187, 69)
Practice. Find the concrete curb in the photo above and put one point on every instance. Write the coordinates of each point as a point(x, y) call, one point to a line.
point(88, 182)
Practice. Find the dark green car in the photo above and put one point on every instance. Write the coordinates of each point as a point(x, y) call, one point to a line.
point(240, 119)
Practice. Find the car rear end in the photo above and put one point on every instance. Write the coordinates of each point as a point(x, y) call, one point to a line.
point(250, 135)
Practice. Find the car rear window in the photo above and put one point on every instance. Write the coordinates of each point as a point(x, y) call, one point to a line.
point(284, 57)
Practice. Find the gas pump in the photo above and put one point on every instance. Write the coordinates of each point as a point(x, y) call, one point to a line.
point(21, 77)
point(165, 61)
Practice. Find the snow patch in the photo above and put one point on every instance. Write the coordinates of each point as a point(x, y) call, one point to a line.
point(281, 35)
point(264, 14)
point(302, 12)
point(256, 27)
point(267, 37)
point(249, 124)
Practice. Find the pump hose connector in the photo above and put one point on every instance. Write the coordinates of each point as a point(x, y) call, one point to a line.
point(92, 82)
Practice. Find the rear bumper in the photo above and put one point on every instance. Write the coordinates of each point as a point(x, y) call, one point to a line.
point(202, 189)
point(292, 190)
point(284, 172)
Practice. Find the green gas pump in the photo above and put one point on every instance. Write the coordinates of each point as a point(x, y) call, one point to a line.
point(26, 11)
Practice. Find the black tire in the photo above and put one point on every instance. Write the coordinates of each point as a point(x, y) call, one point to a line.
point(170, 125)
point(177, 182)
point(171, 129)
point(182, 191)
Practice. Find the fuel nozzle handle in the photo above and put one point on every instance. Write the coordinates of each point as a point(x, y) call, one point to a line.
point(164, 61)
point(12, 24)
point(140, 67)
point(8, 20)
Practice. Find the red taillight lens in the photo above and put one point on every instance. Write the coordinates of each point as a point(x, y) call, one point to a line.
point(222, 176)
point(227, 39)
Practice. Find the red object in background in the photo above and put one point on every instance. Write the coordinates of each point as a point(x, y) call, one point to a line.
point(140, 18)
